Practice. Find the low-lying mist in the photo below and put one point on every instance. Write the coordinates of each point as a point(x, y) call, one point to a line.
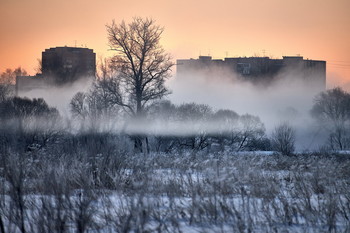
point(284, 98)
point(59, 96)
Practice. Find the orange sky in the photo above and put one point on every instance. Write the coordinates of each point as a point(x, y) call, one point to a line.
point(315, 29)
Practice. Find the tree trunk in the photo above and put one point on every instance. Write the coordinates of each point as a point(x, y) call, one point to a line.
point(2, 227)
point(138, 144)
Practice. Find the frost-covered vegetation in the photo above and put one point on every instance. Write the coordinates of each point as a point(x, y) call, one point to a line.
point(92, 184)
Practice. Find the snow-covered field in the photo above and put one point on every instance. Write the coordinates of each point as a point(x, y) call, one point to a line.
point(184, 192)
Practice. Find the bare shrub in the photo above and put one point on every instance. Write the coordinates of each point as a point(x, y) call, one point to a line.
point(283, 139)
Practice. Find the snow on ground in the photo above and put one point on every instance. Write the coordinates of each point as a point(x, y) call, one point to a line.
point(232, 192)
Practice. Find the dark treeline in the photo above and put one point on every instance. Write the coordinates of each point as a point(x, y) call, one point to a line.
point(30, 123)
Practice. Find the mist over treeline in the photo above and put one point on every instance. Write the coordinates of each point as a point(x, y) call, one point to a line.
point(165, 126)
point(273, 98)
point(286, 95)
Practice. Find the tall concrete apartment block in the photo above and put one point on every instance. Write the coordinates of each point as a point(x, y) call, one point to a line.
point(68, 64)
point(60, 66)
point(259, 70)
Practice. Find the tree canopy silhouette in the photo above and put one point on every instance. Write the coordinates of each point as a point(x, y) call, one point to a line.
point(141, 62)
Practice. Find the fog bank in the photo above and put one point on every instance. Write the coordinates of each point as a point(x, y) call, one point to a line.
point(286, 99)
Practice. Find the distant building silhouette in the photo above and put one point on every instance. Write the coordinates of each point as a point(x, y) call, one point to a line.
point(258, 70)
point(68, 64)
point(60, 66)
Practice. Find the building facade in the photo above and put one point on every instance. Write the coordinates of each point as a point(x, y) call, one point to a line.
point(60, 66)
point(68, 64)
point(258, 70)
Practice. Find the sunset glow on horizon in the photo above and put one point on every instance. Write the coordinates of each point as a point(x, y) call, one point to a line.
point(318, 30)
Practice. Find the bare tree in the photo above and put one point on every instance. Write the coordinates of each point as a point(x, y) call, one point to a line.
point(196, 116)
point(283, 139)
point(250, 131)
point(9, 76)
point(15, 171)
point(226, 121)
point(332, 105)
point(105, 69)
point(141, 62)
point(5, 92)
point(27, 121)
point(332, 109)
point(7, 81)
point(142, 65)
point(39, 67)
point(78, 105)
point(95, 106)
point(26, 108)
